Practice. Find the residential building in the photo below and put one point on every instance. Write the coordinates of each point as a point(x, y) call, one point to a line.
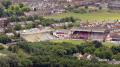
point(114, 5)
point(3, 24)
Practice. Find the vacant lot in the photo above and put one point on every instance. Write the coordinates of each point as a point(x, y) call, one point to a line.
point(96, 16)
point(37, 37)
point(32, 37)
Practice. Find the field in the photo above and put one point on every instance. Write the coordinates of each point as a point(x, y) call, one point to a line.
point(96, 16)
point(79, 42)
point(109, 44)
point(75, 42)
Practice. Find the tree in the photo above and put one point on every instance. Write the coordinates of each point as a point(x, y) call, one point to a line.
point(30, 18)
point(4, 39)
point(115, 49)
point(26, 63)
point(81, 48)
point(1, 10)
point(83, 11)
point(86, 7)
point(25, 9)
point(67, 19)
point(72, 19)
point(70, 25)
point(103, 53)
point(3, 62)
point(23, 18)
point(100, 8)
point(1, 47)
point(11, 60)
point(21, 5)
point(29, 26)
point(47, 22)
point(49, 54)
point(8, 12)
point(89, 50)
point(97, 44)
point(18, 27)
point(116, 57)
point(13, 18)
point(17, 10)
point(36, 22)
point(6, 3)
point(14, 49)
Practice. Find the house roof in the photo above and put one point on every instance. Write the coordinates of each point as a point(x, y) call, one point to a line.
point(1, 30)
point(89, 30)
point(3, 19)
point(115, 35)
point(114, 4)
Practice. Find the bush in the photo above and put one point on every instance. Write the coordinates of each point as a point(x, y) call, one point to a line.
point(116, 57)
point(1, 47)
point(4, 39)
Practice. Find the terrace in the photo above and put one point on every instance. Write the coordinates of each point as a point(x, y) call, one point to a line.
point(46, 7)
point(115, 5)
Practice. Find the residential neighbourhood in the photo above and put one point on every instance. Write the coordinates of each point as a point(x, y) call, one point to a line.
point(59, 33)
point(91, 31)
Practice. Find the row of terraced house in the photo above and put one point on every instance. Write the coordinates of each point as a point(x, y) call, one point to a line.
point(48, 7)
